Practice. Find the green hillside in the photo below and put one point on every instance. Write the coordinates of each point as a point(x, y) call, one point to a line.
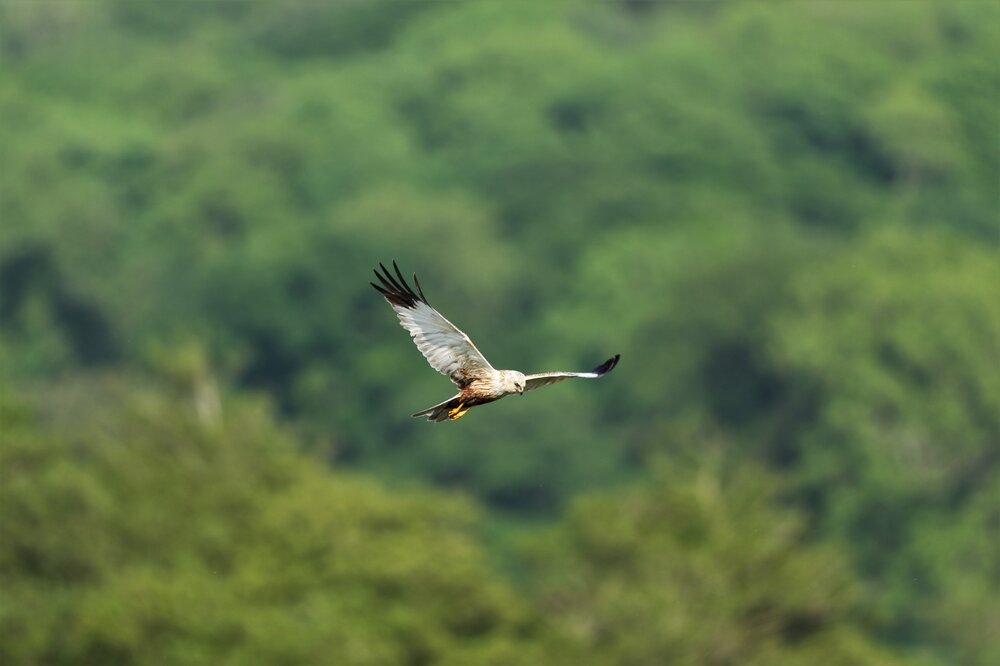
point(785, 217)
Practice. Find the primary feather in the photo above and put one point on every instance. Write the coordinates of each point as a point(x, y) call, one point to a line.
point(444, 345)
point(545, 378)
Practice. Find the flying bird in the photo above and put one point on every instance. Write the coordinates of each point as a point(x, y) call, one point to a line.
point(451, 352)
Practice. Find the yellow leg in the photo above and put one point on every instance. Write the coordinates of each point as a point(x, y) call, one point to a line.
point(458, 412)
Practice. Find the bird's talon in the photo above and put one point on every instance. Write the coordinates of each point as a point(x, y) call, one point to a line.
point(457, 412)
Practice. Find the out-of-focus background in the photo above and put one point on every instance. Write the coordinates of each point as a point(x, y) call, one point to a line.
point(784, 217)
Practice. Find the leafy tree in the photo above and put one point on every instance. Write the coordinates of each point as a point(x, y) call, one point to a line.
point(892, 336)
point(784, 218)
point(889, 341)
point(702, 567)
point(952, 555)
point(154, 536)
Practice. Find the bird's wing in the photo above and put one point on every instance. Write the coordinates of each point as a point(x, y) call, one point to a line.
point(546, 378)
point(446, 348)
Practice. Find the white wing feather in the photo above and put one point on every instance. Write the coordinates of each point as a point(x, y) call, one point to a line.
point(544, 379)
point(444, 345)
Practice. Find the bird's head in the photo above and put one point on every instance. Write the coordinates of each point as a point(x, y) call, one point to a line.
point(513, 381)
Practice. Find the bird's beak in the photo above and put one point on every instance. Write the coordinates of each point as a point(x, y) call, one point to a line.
point(521, 392)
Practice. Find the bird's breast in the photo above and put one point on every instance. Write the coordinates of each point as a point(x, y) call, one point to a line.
point(483, 389)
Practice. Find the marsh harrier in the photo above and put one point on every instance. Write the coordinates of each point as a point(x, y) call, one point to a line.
point(451, 352)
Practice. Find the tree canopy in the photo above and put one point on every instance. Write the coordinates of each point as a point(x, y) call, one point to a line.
point(784, 219)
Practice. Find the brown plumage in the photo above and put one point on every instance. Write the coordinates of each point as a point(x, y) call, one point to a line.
point(451, 352)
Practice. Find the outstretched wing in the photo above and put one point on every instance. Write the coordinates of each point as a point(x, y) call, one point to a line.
point(446, 348)
point(546, 378)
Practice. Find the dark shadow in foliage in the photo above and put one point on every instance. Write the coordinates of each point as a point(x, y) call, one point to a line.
point(315, 29)
point(82, 324)
point(739, 388)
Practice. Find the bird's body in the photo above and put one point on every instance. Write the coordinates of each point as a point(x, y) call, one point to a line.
point(477, 390)
point(451, 352)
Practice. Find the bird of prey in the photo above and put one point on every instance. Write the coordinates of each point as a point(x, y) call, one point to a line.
point(451, 352)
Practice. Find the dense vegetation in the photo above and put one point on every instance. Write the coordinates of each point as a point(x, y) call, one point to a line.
point(784, 218)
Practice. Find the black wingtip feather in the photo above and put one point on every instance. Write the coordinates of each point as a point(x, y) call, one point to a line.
point(388, 280)
point(419, 290)
point(607, 366)
point(397, 292)
point(403, 281)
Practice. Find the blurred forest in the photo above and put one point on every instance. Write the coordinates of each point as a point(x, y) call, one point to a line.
point(784, 217)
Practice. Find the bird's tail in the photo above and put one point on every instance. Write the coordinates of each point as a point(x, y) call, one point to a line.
point(451, 409)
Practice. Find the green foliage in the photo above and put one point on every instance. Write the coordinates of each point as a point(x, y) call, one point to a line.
point(703, 568)
point(152, 533)
point(893, 343)
point(955, 560)
point(784, 218)
point(894, 336)
point(158, 537)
